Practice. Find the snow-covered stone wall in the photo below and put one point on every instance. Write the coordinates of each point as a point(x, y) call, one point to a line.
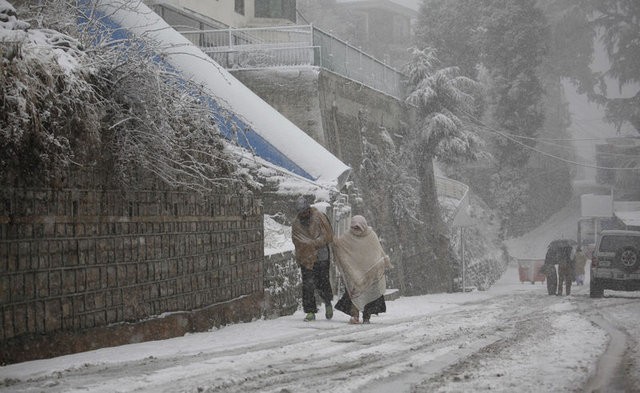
point(282, 284)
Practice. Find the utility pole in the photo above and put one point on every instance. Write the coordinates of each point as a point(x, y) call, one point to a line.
point(464, 283)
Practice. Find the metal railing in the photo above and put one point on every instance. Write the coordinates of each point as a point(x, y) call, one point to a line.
point(453, 189)
point(346, 60)
point(341, 215)
point(340, 221)
point(299, 45)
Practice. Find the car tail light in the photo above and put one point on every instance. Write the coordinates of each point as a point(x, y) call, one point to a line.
point(594, 261)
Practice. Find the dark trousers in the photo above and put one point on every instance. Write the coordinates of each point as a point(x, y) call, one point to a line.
point(374, 307)
point(565, 275)
point(312, 279)
point(552, 282)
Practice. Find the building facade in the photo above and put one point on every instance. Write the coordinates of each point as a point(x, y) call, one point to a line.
point(383, 28)
point(225, 13)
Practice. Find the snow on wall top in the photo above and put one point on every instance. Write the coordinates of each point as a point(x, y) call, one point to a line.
point(254, 124)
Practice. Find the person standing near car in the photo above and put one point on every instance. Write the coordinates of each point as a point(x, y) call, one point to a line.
point(580, 263)
point(311, 234)
point(549, 270)
point(565, 270)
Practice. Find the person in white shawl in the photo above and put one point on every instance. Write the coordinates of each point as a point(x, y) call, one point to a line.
point(362, 261)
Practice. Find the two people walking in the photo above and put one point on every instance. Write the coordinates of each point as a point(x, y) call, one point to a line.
point(358, 255)
point(558, 253)
point(571, 266)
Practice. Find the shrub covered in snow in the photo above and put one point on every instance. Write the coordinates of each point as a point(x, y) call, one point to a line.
point(68, 98)
point(49, 116)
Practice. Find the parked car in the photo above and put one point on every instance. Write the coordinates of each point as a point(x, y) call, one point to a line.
point(615, 263)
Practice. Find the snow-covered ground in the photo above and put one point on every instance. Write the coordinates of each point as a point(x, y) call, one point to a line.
point(512, 337)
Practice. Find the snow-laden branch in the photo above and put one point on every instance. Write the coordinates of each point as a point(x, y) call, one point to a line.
point(74, 96)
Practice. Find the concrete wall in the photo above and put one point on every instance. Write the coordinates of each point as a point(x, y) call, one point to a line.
point(82, 259)
point(224, 11)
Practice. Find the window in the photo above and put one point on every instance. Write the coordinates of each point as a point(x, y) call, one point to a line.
point(280, 9)
point(614, 243)
point(239, 7)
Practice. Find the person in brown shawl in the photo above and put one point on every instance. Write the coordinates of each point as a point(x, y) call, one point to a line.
point(311, 234)
point(362, 262)
point(579, 268)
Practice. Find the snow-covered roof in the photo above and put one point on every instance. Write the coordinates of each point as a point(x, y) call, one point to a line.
point(253, 123)
point(628, 212)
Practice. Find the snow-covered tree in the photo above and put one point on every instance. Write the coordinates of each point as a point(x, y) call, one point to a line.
point(617, 24)
point(49, 115)
point(515, 43)
point(453, 29)
point(70, 99)
point(444, 99)
point(507, 44)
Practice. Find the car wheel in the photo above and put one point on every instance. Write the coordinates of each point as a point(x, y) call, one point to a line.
point(595, 289)
point(627, 259)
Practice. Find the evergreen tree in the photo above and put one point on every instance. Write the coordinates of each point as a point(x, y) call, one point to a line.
point(453, 30)
point(577, 27)
point(443, 98)
point(514, 47)
point(619, 23)
point(506, 43)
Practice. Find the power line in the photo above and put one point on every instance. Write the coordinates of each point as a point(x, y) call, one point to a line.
point(514, 140)
point(572, 139)
point(583, 149)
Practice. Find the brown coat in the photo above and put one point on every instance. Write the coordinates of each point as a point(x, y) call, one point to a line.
point(308, 239)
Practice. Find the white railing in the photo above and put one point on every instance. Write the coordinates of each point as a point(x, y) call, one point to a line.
point(341, 215)
point(238, 39)
point(300, 45)
point(455, 190)
point(263, 57)
point(347, 60)
point(340, 220)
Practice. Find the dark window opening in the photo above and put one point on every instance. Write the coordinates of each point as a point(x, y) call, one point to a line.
point(280, 9)
point(239, 7)
point(615, 243)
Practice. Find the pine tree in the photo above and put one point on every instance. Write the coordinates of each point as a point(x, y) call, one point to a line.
point(443, 98)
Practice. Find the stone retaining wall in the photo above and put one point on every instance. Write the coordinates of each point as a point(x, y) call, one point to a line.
point(82, 257)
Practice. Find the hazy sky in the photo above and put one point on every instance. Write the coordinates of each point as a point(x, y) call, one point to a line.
point(413, 4)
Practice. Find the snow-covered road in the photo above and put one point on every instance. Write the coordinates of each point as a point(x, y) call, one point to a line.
point(513, 337)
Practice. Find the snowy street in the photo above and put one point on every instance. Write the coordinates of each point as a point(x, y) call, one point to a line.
point(513, 337)
point(172, 166)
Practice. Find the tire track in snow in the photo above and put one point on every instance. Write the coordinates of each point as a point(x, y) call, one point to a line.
point(611, 374)
point(410, 349)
